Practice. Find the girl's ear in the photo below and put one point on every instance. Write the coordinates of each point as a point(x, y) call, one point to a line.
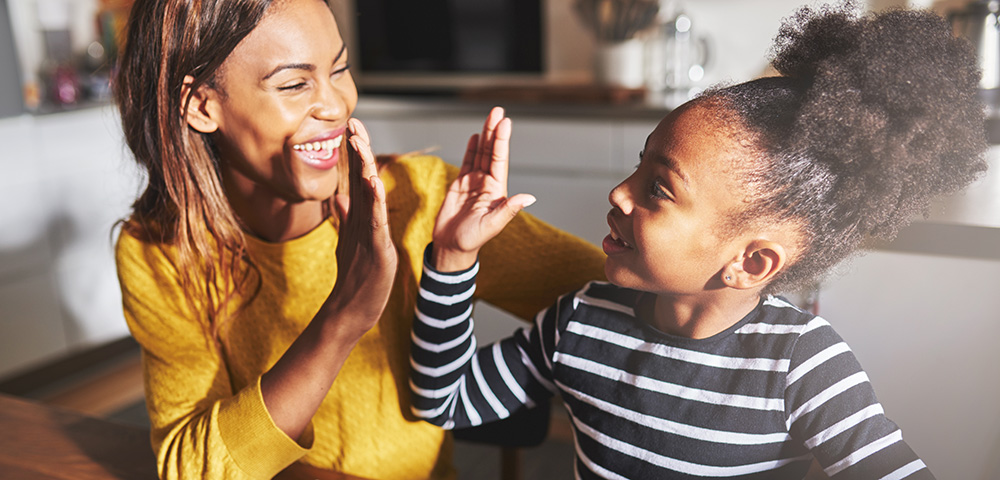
point(760, 261)
point(202, 111)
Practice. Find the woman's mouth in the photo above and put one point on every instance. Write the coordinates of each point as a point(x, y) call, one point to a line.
point(320, 154)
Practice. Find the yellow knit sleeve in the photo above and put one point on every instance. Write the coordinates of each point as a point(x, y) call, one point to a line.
point(200, 427)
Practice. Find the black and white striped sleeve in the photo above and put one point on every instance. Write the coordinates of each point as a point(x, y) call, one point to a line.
point(832, 409)
point(453, 384)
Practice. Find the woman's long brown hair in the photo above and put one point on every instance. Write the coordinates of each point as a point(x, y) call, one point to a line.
point(184, 204)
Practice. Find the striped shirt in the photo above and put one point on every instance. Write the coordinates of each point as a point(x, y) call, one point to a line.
point(756, 401)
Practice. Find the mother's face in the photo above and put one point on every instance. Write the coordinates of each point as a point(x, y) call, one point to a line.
point(281, 104)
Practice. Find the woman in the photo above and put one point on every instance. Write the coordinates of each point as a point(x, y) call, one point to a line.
point(272, 329)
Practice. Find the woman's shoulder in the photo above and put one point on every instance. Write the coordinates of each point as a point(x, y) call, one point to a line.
point(137, 250)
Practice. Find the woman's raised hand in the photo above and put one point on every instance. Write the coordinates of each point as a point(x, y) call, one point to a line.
point(366, 266)
point(476, 207)
point(366, 257)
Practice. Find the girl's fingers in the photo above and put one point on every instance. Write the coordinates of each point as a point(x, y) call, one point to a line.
point(469, 160)
point(500, 159)
point(486, 139)
point(498, 218)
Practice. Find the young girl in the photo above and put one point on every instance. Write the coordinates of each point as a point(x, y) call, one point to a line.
point(686, 365)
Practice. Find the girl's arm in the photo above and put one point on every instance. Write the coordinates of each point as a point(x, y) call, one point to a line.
point(453, 384)
point(832, 409)
point(448, 374)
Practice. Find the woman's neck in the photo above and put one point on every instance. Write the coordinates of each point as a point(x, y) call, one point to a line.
point(697, 318)
point(274, 219)
point(278, 223)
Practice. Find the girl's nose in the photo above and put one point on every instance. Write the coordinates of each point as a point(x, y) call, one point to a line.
point(621, 197)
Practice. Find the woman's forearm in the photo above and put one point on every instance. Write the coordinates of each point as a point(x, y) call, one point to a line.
point(296, 385)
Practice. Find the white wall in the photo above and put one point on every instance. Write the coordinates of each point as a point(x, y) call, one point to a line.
point(63, 184)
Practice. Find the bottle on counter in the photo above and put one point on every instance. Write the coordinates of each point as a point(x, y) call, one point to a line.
point(676, 56)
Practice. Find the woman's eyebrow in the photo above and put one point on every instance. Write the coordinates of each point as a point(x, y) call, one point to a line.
point(303, 66)
point(290, 66)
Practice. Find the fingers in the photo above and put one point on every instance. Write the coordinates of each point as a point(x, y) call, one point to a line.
point(357, 127)
point(499, 160)
point(469, 160)
point(380, 214)
point(486, 139)
point(361, 170)
point(368, 166)
point(499, 217)
point(372, 196)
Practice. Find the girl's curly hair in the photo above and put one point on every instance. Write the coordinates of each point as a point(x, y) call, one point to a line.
point(872, 116)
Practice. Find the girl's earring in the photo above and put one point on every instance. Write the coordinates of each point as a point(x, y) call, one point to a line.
point(728, 277)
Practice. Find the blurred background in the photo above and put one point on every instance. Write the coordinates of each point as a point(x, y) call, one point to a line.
point(584, 86)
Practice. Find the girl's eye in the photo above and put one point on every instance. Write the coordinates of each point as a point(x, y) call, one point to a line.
point(659, 190)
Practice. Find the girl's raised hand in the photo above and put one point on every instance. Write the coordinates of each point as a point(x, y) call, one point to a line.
point(366, 257)
point(476, 207)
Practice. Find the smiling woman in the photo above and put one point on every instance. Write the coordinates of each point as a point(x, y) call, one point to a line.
point(274, 330)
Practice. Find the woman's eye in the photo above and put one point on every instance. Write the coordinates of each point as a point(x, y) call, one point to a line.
point(340, 71)
point(293, 87)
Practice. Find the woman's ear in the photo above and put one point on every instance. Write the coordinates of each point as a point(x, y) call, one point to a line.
point(202, 111)
point(758, 264)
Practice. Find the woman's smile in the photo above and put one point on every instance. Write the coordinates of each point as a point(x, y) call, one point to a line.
point(321, 152)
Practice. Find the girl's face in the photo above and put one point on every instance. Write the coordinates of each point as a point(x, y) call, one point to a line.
point(668, 219)
point(285, 95)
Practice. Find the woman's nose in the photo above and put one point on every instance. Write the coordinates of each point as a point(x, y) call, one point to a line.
point(621, 197)
point(331, 103)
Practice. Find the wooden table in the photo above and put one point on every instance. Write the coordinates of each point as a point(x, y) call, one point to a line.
point(39, 442)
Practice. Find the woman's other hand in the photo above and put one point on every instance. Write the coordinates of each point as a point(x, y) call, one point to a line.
point(476, 207)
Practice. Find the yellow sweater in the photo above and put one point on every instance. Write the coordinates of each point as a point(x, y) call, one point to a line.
point(207, 414)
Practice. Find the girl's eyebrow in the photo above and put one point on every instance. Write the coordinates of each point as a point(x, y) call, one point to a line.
point(303, 66)
point(671, 165)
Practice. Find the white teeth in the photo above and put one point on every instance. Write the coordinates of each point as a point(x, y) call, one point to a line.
point(327, 145)
point(618, 239)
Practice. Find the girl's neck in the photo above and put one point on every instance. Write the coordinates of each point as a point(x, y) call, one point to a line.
point(698, 319)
